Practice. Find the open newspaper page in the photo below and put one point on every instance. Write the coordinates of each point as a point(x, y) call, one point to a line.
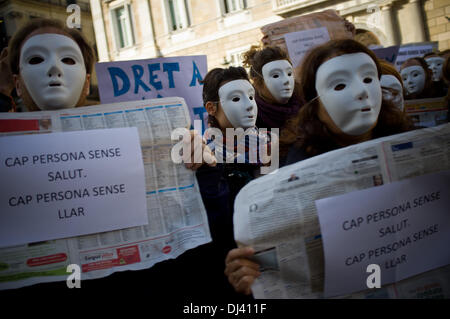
point(177, 217)
point(427, 112)
point(277, 215)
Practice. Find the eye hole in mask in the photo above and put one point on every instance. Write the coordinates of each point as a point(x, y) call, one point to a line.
point(36, 60)
point(339, 87)
point(68, 61)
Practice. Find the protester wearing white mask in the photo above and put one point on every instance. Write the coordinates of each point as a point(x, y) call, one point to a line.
point(350, 93)
point(52, 69)
point(392, 90)
point(416, 78)
point(51, 65)
point(279, 79)
point(229, 100)
point(339, 79)
point(239, 108)
point(391, 84)
point(435, 64)
point(277, 97)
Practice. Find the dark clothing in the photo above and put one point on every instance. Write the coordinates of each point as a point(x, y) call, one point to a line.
point(6, 103)
point(198, 274)
point(275, 116)
point(439, 88)
point(295, 155)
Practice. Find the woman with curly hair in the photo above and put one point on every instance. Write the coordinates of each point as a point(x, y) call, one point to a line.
point(277, 94)
point(340, 81)
point(345, 103)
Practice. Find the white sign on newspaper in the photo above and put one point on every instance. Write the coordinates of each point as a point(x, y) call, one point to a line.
point(404, 227)
point(68, 184)
point(300, 42)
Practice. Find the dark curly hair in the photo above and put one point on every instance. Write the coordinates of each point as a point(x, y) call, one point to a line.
point(306, 130)
point(255, 58)
point(212, 82)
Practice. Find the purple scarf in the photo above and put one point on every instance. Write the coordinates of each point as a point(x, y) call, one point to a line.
point(275, 115)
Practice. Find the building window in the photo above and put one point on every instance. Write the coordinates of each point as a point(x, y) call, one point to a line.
point(178, 14)
point(123, 26)
point(230, 6)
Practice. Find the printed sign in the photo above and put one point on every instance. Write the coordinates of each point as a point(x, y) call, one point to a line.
point(68, 184)
point(410, 51)
point(404, 227)
point(388, 54)
point(124, 81)
point(300, 42)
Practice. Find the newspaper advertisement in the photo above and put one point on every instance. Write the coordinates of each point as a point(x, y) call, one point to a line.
point(176, 214)
point(277, 215)
point(427, 112)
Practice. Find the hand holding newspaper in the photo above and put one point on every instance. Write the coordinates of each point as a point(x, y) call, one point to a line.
point(277, 215)
point(176, 215)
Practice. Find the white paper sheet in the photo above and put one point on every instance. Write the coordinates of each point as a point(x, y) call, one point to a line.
point(404, 227)
point(77, 183)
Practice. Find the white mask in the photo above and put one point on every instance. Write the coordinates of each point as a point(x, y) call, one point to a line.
point(52, 68)
point(350, 91)
point(435, 64)
point(413, 79)
point(279, 79)
point(238, 102)
point(392, 90)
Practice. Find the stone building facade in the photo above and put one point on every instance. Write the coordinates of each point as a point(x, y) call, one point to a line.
point(15, 13)
point(223, 29)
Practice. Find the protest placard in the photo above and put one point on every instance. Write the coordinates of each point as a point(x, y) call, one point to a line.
point(134, 80)
point(175, 212)
point(388, 54)
point(412, 50)
point(300, 42)
point(403, 227)
point(336, 26)
point(277, 215)
point(70, 184)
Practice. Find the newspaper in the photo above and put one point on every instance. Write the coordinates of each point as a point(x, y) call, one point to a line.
point(276, 214)
point(178, 220)
point(427, 112)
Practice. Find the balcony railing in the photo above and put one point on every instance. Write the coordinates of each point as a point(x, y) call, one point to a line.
point(283, 6)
